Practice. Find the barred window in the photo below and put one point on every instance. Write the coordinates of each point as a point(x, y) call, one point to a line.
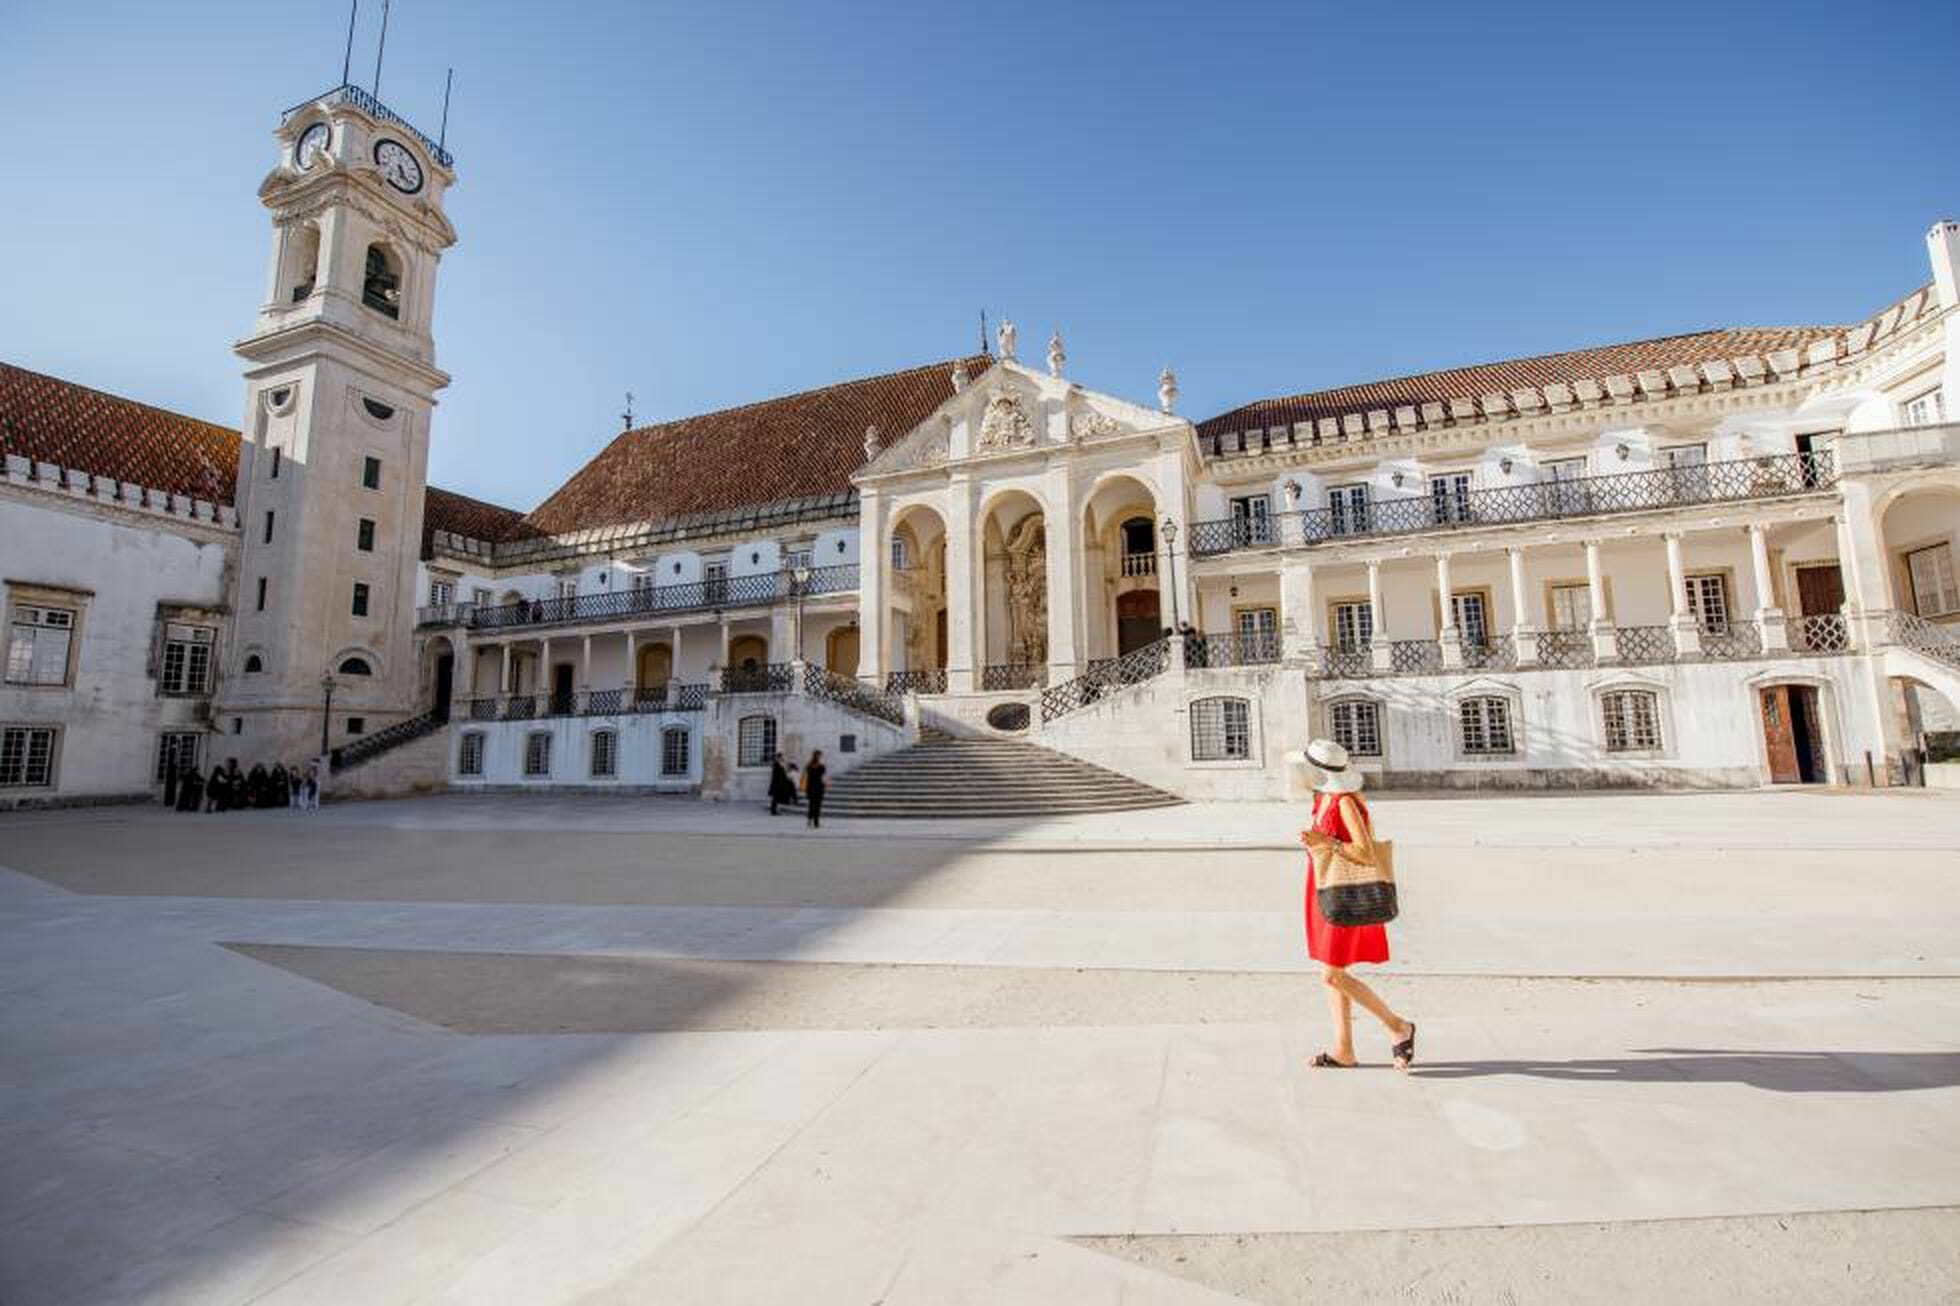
point(186, 666)
point(674, 749)
point(1221, 729)
point(1633, 720)
point(38, 644)
point(27, 756)
point(755, 741)
point(1486, 726)
point(442, 593)
point(1357, 726)
point(605, 754)
point(537, 754)
point(1354, 626)
point(179, 748)
point(469, 754)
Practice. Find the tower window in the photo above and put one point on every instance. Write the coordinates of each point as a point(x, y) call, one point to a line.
point(254, 664)
point(381, 289)
point(278, 455)
point(371, 474)
point(261, 600)
point(268, 525)
point(364, 537)
point(360, 598)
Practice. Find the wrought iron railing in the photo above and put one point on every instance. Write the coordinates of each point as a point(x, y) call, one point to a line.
point(1415, 657)
point(1346, 663)
point(821, 682)
point(729, 592)
point(1922, 636)
point(602, 702)
point(348, 93)
point(925, 680)
point(1231, 649)
point(1637, 645)
point(444, 614)
point(1133, 668)
point(1560, 649)
point(775, 678)
point(1820, 633)
point(381, 741)
point(689, 698)
point(1496, 653)
point(1006, 676)
point(1729, 640)
point(650, 698)
point(1666, 487)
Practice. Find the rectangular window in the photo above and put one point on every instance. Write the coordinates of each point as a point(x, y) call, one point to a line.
point(356, 725)
point(901, 556)
point(1928, 409)
point(642, 581)
point(1357, 726)
point(537, 754)
point(178, 748)
point(278, 455)
point(1354, 626)
point(442, 593)
point(479, 594)
point(1467, 611)
point(673, 751)
point(1257, 625)
point(268, 526)
point(1486, 726)
point(1252, 519)
point(714, 580)
point(755, 741)
point(1449, 496)
point(1572, 607)
point(1931, 571)
point(1221, 730)
point(469, 754)
point(568, 587)
point(794, 559)
point(364, 535)
point(1564, 488)
point(261, 595)
point(1347, 509)
point(27, 757)
point(605, 754)
point(360, 599)
point(186, 669)
point(1632, 721)
point(38, 645)
point(371, 473)
point(1708, 601)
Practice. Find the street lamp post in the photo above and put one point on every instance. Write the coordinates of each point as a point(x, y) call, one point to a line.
point(326, 712)
point(799, 577)
point(1169, 529)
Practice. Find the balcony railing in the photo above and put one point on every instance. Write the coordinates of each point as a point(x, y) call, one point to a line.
point(588, 702)
point(348, 93)
point(1820, 634)
point(444, 614)
point(1640, 645)
point(1231, 649)
point(929, 680)
point(1338, 662)
point(776, 678)
point(1667, 487)
point(1562, 649)
point(1728, 641)
point(1006, 676)
point(1415, 657)
point(1498, 653)
point(1139, 564)
point(821, 682)
point(661, 600)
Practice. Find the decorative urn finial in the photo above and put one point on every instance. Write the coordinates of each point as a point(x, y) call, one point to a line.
point(1167, 390)
point(960, 377)
point(1056, 355)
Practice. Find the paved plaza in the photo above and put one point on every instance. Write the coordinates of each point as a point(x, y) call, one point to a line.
point(535, 1050)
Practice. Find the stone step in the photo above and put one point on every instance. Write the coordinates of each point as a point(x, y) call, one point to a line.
point(948, 777)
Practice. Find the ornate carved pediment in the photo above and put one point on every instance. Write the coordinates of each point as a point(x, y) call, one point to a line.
point(1005, 425)
point(1088, 424)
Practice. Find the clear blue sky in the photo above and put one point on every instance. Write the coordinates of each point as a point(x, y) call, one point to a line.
point(718, 202)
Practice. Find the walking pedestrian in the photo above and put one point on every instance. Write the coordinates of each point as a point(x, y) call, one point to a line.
point(310, 792)
point(190, 789)
point(813, 787)
point(782, 789)
point(1343, 829)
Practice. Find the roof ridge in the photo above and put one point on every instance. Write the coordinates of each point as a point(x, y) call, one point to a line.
point(799, 394)
point(123, 399)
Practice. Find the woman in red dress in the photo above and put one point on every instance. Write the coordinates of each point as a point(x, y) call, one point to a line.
point(1341, 818)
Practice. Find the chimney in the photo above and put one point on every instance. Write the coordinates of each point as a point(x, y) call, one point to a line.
point(1943, 248)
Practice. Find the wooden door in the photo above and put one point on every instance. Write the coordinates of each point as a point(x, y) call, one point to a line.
point(841, 651)
point(1820, 590)
point(939, 636)
point(561, 689)
point(1780, 737)
point(1138, 620)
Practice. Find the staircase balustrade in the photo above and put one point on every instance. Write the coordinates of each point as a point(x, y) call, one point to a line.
point(1133, 668)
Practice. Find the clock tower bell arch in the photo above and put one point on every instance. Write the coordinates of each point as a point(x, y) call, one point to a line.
point(340, 386)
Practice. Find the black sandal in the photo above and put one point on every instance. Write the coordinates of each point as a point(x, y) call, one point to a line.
point(1405, 1051)
point(1322, 1061)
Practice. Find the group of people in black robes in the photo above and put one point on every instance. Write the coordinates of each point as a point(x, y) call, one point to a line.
point(228, 789)
point(783, 787)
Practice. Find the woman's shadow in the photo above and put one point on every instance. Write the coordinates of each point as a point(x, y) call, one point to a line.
point(1779, 1072)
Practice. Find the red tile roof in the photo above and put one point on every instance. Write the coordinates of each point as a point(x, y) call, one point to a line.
point(54, 421)
point(798, 446)
point(458, 514)
point(1517, 373)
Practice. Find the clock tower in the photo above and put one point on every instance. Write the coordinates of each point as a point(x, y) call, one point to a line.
point(340, 384)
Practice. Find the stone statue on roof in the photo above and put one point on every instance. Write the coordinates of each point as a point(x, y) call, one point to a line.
point(1167, 390)
point(1056, 355)
point(870, 443)
point(1006, 335)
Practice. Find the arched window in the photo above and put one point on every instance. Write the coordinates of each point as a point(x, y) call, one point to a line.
point(1221, 730)
point(469, 753)
point(1486, 726)
point(537, 754)
point(355, 667)
point(253, 664)
point(1356, 724)
point(381, 286)
point(302, 261)
point(1139, 537)
point(605, 754)
point(755, 740)
point(674, 751)
point(1632, 719)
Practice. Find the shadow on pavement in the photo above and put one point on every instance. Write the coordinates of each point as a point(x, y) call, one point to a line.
point(1778, 1072)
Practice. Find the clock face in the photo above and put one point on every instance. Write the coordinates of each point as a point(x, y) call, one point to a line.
point(398, 166)
point(311, 142)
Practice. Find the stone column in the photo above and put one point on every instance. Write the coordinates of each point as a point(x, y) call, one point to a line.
point(1606, 647)
point(504, 685)
point(1524, 631)
point(1380, 655)
point(632, 685)
point(1061, 530)
point(1449, 637)
point(1687, 635)
point(964, 657)
point(1769, 617)
point(1298, 621)
point(674, 664)
point(873, 602)
point(1853, 627)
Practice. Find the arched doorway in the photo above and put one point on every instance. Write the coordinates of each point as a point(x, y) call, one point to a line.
point(1015, 535)
point(439, 679)
point(917, 603)
point(1138, 620)
point(1793, 734)
point(748, 653)
point(841, 650)
point(656, 667)
point(1123, 603)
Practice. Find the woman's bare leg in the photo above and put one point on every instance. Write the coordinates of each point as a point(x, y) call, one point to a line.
point(1351, 987)
point(1342, 1010)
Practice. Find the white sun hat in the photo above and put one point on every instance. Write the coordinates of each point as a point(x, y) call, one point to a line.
point(1337, 775)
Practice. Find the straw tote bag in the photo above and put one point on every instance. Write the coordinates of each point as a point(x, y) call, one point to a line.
point(1353, 892)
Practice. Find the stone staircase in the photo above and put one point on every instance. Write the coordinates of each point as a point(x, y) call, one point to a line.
point(941, 776)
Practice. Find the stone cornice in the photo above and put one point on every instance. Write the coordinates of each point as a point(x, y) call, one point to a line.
point(50, 486)
point(285, 345)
